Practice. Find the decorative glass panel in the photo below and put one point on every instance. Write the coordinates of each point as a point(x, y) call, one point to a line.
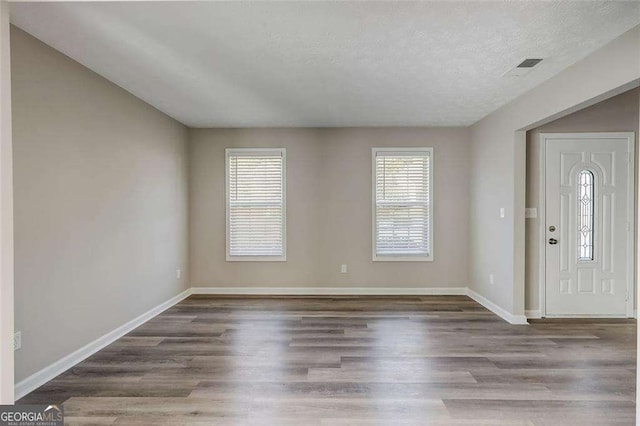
point(586, 207)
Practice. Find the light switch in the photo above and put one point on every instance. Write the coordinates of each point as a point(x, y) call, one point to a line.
point(502, 212)
point(17, 340)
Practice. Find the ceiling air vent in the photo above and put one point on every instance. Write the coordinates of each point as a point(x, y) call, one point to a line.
point(523, 67)
point(529, 63)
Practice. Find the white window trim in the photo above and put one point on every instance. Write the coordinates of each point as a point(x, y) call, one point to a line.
point(248, 152)
point(401, 258)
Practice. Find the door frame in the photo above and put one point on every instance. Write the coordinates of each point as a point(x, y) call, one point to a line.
point(631, 215)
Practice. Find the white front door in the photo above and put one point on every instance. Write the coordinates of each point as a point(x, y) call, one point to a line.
point(589, 223)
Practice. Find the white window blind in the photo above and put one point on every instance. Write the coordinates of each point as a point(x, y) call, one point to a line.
point(402, 203)
point(256, 204)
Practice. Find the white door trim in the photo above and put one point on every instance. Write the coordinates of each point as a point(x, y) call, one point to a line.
point(542, 236)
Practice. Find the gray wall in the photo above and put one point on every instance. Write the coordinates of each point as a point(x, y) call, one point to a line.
point(617, 114)
point(100, 204)
point(329, 209)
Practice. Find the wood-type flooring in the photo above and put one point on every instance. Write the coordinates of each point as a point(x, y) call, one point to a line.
point(412, 360)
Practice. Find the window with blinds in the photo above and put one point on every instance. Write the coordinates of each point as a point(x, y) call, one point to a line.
point(403, 209)
point(256, 207)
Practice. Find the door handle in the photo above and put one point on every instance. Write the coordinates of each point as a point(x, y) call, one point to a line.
point(553, 241)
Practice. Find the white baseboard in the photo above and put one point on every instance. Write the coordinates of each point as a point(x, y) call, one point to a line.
point(48, 373)
point(331, 291)
point(507, 316)
point(533, 314)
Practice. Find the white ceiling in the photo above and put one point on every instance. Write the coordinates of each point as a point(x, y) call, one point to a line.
point(307, 64)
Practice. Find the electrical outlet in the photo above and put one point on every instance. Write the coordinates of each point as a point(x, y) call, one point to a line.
point(178, 273)
point(491, 279)
point(343, 269)
point(17, 340)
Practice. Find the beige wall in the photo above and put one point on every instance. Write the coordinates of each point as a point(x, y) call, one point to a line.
point(100, 204)
point(328, 209)
point(497, 246)
point(617, 114)
point(6, 214)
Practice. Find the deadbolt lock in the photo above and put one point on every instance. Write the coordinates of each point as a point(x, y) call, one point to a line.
point(552, 228)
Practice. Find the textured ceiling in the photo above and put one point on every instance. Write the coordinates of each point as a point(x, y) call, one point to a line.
point(307, 64)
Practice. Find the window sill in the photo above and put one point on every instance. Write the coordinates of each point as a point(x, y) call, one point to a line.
point(403, 258)
point(256, 258)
